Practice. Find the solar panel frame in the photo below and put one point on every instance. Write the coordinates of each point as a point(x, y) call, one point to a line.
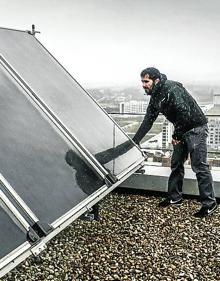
point(26, 249)
point(14, 258)
point(20, 226)
point(83, 151)
point(61, 133)
point(122, 174)
point(115, 125)
point(54, 129)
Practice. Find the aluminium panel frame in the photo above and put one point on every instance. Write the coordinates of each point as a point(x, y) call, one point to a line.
point(14, 258)
point(14, 214)
point(92, 160)
point(8, 188)
point(18, 199)
point(52, 116)
point(97, 167)
point(63, 222)
point(25, 250)
point(14, 29)
point(12, 211)
point(119, 176)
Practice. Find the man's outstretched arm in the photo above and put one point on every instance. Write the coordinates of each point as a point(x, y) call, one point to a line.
point(151, 115)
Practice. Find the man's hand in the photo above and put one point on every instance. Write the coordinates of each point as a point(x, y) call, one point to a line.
point(175, 142)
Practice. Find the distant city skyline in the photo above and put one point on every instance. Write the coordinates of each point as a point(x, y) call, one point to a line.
point(108, 42)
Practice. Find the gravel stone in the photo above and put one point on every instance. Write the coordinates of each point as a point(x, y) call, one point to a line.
point(133, 240)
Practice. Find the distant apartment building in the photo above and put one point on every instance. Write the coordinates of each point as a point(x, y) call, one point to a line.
point(214, 124)
point(120, 99)
point(214, 133)
point(213, 112)
point(216, 99)
point(133, 106)
point(167, 131)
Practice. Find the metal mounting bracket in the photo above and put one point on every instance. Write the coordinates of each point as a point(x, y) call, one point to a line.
point(110, 179)
point(38, 248)
point(32, 235)
point(92, 213)
point(41, 228)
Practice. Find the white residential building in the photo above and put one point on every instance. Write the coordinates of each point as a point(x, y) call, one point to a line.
point(213, 124)
point(133, 106)
point(167, 131)
point(216, 99)
point(214, 133)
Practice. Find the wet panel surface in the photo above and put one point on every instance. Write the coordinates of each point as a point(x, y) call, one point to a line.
point(33, 157)
point(73, 106)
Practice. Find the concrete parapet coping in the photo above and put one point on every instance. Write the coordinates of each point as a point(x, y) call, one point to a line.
point(155, 178)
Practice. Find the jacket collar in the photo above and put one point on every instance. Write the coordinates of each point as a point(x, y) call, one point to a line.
point(160, 84)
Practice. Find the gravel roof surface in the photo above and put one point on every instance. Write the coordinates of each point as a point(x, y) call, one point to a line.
point(134, 240)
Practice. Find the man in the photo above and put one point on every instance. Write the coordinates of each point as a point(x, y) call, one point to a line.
point(190, 133)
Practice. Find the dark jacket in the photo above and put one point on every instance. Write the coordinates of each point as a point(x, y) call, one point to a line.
point(172, 100)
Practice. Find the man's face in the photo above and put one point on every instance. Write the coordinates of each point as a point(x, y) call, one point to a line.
point(147, 84)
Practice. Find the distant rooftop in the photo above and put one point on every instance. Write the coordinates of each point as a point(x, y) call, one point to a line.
point(215, 110)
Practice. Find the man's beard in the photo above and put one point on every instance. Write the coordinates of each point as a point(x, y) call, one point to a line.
point(149, 91)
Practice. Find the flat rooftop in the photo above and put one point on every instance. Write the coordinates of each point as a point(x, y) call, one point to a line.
point(133, 240)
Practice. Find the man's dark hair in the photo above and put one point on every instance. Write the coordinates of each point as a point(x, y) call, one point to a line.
point(152, 72)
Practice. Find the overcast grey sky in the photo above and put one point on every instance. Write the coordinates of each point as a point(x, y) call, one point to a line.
point(108, 42)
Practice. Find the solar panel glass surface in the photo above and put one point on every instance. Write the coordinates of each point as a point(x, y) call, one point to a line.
point(69, 101)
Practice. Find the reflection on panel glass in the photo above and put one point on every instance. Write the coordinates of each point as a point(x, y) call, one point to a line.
point(73, 106)
point(33, 157)
point(11, 236)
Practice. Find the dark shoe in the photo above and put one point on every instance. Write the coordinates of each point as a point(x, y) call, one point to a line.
point(168, 202)
point(206, 211)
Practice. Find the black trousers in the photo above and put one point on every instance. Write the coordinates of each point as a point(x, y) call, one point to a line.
point(194, 143)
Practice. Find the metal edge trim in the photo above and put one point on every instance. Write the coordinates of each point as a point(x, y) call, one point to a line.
point(78, 207)
point(13, 255)
point(91, 200)
point(13, 29)
point(14, 212)
point(62, 225)
point(140, 162)
point(18, 199)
